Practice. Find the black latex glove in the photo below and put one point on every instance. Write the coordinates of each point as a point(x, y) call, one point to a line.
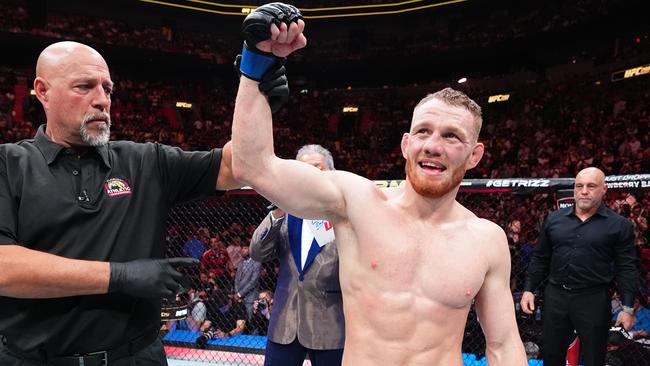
point(149, 278)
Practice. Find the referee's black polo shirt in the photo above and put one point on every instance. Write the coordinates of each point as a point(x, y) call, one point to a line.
point(109, 204)
point(580, 254)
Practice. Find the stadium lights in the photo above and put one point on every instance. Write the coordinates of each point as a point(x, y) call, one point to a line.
point(32, 92)
point(183, 105)
point(462, 80)
point(310, 13)
point(350, 109)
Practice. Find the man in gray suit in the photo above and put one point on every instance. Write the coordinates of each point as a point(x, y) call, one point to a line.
point(246, 279)
point(307, 316)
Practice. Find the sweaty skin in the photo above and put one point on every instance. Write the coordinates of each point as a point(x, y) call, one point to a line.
point(412, 309)
point(407, 258)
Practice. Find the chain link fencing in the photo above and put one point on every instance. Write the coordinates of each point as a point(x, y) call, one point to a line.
point(209, 324)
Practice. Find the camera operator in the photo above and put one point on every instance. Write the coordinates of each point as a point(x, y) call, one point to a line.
point(259, 322)
point(227, 321)
point(197, 309)
point(205, 283)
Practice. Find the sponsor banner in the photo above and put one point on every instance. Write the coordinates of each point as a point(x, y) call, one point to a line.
point(628, 181)
point(498, 98)
point(498, 185)
point(530, 185)
point(564, 198)
point(390, 183)
point(517, 185)
point(521, 185)
point(631, 72)
point(174, 312)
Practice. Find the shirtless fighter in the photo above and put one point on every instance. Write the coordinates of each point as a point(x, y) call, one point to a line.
point(411, 261)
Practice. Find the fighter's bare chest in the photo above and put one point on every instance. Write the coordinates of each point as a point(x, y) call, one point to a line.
point(444, 266)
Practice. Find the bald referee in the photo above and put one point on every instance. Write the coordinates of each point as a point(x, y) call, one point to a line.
point(582, 249)
point(82, 223)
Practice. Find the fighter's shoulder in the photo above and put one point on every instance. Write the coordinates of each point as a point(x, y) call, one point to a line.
point(491, 240)
point(485, 228)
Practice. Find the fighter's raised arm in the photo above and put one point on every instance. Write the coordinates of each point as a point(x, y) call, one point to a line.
point(274, 31)
point(396, 249)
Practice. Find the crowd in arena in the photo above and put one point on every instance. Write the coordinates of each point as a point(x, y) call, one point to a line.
point(488, 26)
point(221, 253)
point(548, 130)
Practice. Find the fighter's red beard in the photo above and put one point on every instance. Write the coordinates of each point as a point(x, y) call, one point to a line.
point(430, 188)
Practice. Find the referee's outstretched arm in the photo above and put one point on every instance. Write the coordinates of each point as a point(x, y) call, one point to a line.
point(27, 273)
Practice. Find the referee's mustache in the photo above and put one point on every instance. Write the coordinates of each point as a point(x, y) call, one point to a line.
point(99, 116)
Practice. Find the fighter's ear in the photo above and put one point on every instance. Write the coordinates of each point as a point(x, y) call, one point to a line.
point(405, 143)
point(475, 157)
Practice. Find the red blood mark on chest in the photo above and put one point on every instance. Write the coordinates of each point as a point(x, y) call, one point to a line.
point(374, 264)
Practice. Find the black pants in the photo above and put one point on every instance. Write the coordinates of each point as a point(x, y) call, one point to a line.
point(153, 355)
point(293, 354)
point(588, 312)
